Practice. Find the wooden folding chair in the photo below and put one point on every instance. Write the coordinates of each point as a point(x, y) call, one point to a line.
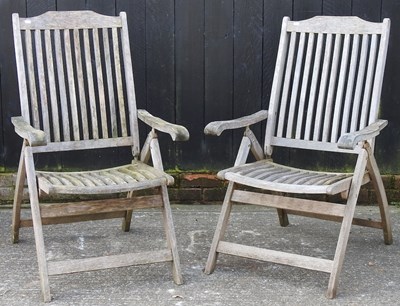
point(325, 97)
point(77, 93)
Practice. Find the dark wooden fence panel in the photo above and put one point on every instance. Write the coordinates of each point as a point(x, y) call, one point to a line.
point(218, 69)
point(198, 61)
point(388, 143)
point(189, 60)
point(247, 63)
point(336, 7)
point(66, 5)
point(11, 145)
point(367, 9)
point(160, 67)
point(303, 9)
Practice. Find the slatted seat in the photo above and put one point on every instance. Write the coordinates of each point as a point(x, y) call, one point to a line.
point(325, 97)
point(275, 177)
point(76, 94)
point(125, 178)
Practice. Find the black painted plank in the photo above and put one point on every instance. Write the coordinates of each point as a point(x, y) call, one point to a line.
point(136, 15)
point(37, 7)
point(304, 9)
point(367, 9)
point(218, 78)
point(106, 7)
point(2, 151)
point(9, 84)
point(189, 61)
point(336, 7)
point(160, 68)
point(387, 146)
point(71, 5)
point(247, 61)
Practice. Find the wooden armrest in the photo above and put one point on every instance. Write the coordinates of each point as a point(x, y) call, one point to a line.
point(217, 127)
point(34, 136)
point(350, 140)
point(177, 132)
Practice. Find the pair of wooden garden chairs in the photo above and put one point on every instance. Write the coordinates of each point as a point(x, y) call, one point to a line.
point(77, 93)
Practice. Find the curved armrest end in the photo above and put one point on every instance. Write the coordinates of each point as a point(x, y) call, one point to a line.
point(350, 140)
point(217, 127)
point(177, 132)
point(35, 137)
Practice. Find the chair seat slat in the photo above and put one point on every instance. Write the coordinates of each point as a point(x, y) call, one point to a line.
point(282, 178)
point(127, 176)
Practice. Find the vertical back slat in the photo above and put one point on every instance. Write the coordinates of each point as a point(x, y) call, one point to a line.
point(380, 67)
point(340, 90)
point(110, 86)
point(76, 77)
point(295, 87)
point(359, 84)
point(118, 79)
point(90, 81)
point(322, 87)
point(327, 127)
point(100, 83)
point(286, 84)
point(52, 86)
point(21, 72)
point(42, 83)
point(61, 85)
point(368, 82)
point(32, 79)
point(330, 68)
point(350, 84)
point(276, 86)
point(71, 85)
point(304, 85)
point(126, 51)
point(313, 88)
point(81, 84)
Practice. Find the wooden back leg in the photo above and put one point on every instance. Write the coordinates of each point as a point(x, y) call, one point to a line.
point(283, 217)
point(377, 182)
point(126, 222)
point(19, 189)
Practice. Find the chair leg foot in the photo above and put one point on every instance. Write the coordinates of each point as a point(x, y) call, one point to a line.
point(126, 222)
point(171, 238)
point(220, 230)
point(283, 217)
point(331, 293)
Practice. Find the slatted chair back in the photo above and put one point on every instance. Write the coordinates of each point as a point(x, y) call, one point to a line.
point(78, 82)
point(327, 81)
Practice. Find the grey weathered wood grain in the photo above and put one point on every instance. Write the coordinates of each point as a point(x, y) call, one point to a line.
point(333, 81)
point(177, 132)
point(34, 136)
point(69, 91)
point(217, 127)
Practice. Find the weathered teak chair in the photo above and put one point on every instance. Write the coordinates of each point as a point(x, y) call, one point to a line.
point(77, 93)
point(325, 96)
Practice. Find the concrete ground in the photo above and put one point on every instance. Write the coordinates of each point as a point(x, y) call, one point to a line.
point(371, 273)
